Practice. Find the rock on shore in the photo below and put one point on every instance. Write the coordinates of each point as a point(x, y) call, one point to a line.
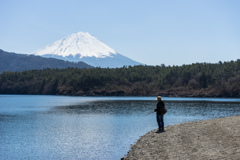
point(208, 139)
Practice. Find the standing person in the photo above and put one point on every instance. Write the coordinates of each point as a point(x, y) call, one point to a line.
point(161, 110)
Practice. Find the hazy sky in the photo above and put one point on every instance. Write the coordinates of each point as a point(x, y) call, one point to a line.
point(173, 32)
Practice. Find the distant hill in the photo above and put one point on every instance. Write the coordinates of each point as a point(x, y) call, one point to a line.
point(21, 62)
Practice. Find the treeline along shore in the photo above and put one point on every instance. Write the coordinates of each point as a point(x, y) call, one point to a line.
point(196, 80)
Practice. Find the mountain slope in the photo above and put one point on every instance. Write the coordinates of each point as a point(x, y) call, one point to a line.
point(20, 62)
point(84, 47)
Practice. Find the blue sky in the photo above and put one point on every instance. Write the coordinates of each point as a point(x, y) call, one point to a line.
point(153, 32)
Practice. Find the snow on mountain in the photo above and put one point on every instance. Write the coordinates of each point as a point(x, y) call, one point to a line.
point(84, 47)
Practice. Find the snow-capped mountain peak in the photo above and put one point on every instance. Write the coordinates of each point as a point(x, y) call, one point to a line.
point(82, 44)
point(84, 47)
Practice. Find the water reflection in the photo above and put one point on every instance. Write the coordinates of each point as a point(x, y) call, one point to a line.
point(134, 107)
point(116, 107)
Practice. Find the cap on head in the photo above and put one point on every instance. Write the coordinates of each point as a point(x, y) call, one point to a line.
point(159, 98)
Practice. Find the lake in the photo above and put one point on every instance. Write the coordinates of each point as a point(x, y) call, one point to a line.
point(65, 127)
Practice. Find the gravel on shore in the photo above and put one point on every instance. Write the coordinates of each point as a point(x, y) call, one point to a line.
point(203, 140)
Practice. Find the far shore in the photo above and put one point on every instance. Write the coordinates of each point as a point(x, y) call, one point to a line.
point(208, 139)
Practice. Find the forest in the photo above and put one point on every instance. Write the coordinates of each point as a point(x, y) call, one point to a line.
point(220, 79)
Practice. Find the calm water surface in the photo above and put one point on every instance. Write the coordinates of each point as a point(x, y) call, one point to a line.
point(62, 127)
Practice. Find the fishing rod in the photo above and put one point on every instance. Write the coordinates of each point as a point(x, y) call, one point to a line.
point(149, 113)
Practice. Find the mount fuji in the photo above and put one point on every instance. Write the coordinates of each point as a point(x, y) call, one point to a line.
point(84, 47)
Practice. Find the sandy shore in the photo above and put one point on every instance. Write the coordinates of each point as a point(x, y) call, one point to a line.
point(205, 140)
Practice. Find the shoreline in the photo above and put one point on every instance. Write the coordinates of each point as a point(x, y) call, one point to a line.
point(127, 95)
point(206, 139)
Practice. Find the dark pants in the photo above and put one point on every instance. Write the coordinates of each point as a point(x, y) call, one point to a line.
point(160, 122)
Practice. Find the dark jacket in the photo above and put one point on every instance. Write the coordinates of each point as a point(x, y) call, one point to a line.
point(160, 107)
